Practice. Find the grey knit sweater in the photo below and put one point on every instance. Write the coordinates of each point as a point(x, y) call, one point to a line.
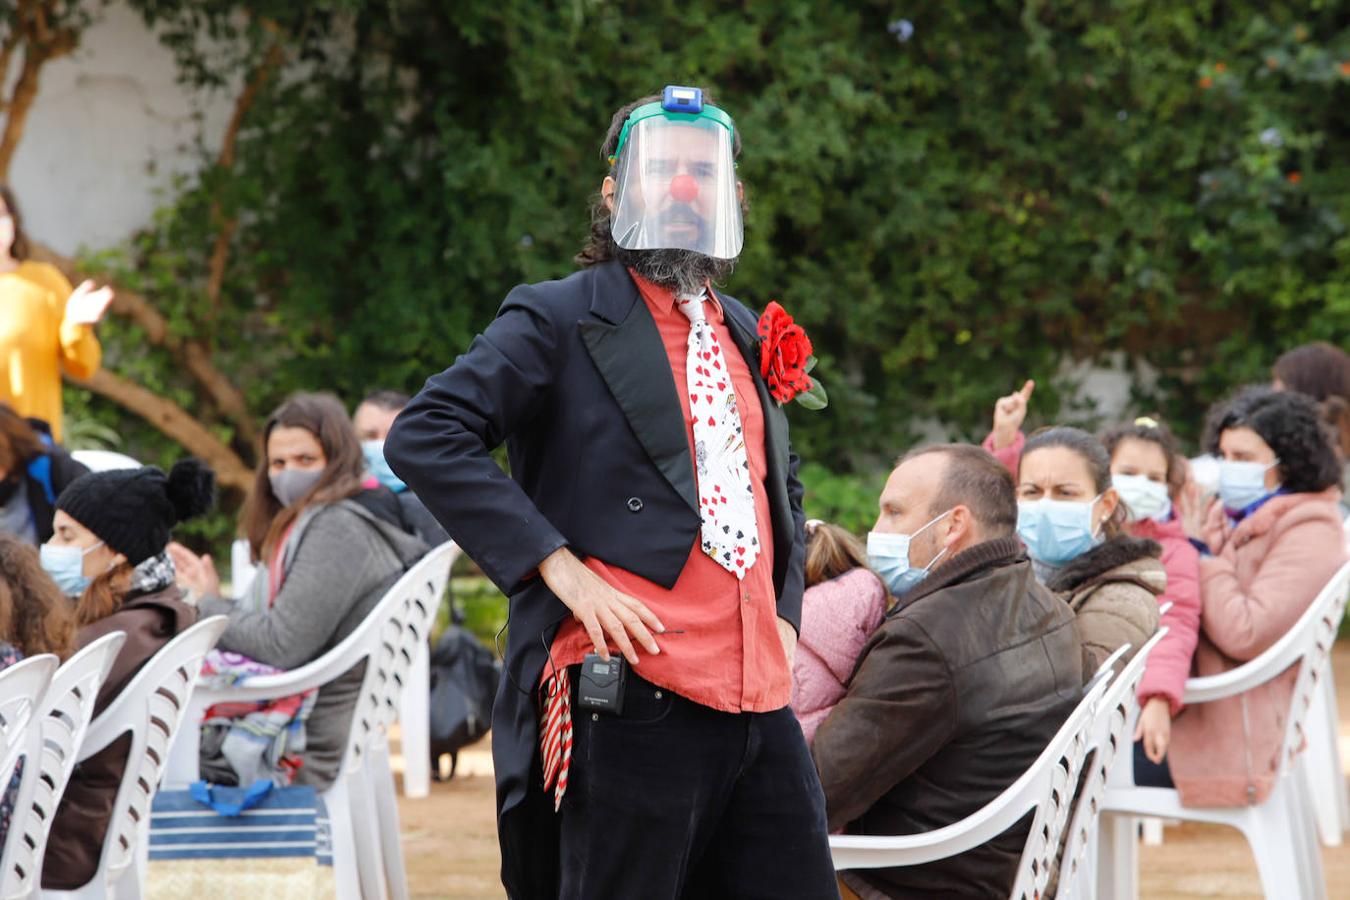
point(339, 570)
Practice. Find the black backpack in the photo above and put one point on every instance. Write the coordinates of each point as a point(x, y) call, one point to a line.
point(464, 676)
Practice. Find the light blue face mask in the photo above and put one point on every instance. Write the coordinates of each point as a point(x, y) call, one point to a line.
point(1243, 483)
point(1056, 531)
point(66, 567)
point(379, 467)
point(888, 555)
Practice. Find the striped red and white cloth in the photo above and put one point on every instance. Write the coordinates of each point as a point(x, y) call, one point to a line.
point(555, 734)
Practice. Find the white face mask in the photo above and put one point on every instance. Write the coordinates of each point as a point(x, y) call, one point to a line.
point(1144, 498)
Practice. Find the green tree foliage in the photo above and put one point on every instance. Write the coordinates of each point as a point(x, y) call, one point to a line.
point(949, 205)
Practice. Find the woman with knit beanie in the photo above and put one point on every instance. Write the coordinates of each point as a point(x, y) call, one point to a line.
point(107, 552)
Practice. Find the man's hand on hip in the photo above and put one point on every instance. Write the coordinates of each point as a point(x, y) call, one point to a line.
point(599, 608)
point(788, 635)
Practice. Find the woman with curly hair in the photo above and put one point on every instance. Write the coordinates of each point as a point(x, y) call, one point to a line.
point(34, 618)
point(1268, 545)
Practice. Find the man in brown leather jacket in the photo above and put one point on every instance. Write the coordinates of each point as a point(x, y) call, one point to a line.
point(964, 684)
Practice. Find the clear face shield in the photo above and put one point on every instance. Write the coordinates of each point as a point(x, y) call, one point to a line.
point(676, 182)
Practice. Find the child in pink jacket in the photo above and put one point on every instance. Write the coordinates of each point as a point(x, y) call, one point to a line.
point(1149, 473)
point(844, 603)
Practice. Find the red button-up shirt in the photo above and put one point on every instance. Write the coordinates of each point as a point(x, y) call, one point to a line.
point(729, 656)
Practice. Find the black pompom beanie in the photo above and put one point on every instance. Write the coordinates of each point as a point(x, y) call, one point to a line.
point(134, 510)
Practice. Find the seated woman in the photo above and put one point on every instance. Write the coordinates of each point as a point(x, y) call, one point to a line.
point(1072, 522)
point(1322, 372)
point(328, 562)
point(843, 604)
point(33, 473)
point(108, 553)
point(1149, 473)
point(34, 618)
point(1272, 540)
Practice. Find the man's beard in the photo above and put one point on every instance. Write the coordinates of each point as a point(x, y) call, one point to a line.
point(684, 271)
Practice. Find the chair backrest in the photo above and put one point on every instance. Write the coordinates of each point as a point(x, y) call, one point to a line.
point(150, 708)
point(23, 687)
point(1315, 633)
point(1046, 787)
point(1110, 734)
point(59, 725)
point(387, 640)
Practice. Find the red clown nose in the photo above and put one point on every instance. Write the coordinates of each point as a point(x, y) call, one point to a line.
point(684, 189)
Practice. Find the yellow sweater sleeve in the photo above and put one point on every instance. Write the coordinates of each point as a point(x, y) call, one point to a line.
point(81, 352)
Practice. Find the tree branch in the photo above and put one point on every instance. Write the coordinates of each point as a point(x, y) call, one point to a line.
point(171, 419)
point(192, 355)
point(40, 47)
point(220, 250)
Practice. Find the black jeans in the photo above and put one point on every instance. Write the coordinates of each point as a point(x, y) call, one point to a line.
point(673, 799)
point(1147, 773)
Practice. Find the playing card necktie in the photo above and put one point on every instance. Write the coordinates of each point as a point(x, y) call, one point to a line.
point(726, 501)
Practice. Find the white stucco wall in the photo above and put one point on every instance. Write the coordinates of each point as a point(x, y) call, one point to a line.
point(110, 128)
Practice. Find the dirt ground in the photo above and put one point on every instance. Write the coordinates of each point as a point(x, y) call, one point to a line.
point(450, 839)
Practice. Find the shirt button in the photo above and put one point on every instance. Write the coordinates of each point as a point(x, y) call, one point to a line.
point(657, 695)
point(747, 597)
point(635, 504)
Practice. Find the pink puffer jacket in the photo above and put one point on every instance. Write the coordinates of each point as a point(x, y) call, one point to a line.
point(1263, 576)
point(1169, 664)
point(838, 616)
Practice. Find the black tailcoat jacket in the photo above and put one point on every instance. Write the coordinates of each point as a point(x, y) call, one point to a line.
point(573, 376)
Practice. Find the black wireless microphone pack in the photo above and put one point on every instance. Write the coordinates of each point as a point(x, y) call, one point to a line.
point(601, 682)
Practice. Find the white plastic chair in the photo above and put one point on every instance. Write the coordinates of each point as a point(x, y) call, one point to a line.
point(1281, 830)
point(1110, 735)
point(150, 708)
point(1047, 787)
point(22, 688)
point(414, 717)
point(104, 460)
point(59, 726)
point(362, 805)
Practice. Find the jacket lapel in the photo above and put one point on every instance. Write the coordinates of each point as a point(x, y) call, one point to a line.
point(625, 347)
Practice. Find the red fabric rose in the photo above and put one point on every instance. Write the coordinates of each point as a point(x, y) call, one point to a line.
point(783, 353)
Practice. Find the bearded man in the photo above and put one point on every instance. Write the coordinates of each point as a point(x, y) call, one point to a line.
point(652, 515)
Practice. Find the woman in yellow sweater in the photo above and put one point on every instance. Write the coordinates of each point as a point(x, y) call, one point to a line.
point(45, 326)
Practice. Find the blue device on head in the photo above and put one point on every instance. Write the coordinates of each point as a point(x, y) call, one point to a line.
point(676, 98)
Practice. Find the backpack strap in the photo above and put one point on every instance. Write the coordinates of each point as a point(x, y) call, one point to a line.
point(40, 470)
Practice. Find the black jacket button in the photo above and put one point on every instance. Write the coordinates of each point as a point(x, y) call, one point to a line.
point(635, 504)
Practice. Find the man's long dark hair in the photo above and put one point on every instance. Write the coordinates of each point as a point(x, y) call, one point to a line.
point(600, 246)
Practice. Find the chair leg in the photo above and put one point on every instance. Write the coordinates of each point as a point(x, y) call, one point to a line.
point(1118, 857)
point(1276, 838)
point(345, 874)
point(381, 783)
point(1301, 813)
point(1324, 773)
point(414, 725)
point(369, 863)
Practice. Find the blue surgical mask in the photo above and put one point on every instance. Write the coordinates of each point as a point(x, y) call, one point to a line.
point(1056, 531)
point(379, 467)
point(1243, 483)
point(888, 555)
point(1144, 498)
point(66, 567)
